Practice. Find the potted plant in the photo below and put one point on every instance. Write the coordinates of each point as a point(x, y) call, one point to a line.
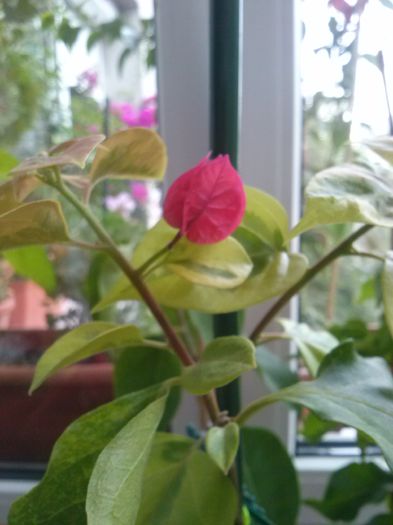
point(219, 247)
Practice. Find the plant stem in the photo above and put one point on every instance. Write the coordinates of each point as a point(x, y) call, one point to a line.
point(139, 284)
point(164, 251)
point(131, 273)
point(339, 250)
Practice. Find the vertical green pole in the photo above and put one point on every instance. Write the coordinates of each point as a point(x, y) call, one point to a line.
point(225, 44)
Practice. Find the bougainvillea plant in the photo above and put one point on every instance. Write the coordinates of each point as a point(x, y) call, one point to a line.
point(220, 247)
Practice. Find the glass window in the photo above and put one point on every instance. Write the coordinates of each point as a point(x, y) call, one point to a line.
point(347, 82)
point(72, 69)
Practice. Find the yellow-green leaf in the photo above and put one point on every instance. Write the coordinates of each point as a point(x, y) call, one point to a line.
point(314, 345)
point(40, 222)
point(222, 444)
point(136, 153)
point(223, 360)
point(33, 262)
point(221, 265)
point(7, 162)
point(115, 487)
point(75, 151)
point(15, 190)
point(174, 291)
point(347, 194)
point(82, 342)
point(266, 217)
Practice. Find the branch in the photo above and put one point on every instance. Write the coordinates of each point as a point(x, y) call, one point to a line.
point(341, 249)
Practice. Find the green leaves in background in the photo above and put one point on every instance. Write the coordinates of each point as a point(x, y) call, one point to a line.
point(59, 498)
point(222, 444)
point(313, 345)
point(223, 360)
point(142, 366)
point(347, 194)
point(82, 342)
point(7, 162)
point(183, 485)
point(274, 370)
point(15, 190)
point(136, 153)
point(40, 222)
point(350, 389)
point(270, 475)
point(115, 487)
point(350, 488)
point(75, 152)
point(387, 290)
point(266, 217)
point(33, 263)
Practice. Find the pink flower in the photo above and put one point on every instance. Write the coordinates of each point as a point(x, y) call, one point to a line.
point(145, 116)
point(139, 192)
point(89, 79)
point(93, 128)
point(122, 203)
point(206, 203)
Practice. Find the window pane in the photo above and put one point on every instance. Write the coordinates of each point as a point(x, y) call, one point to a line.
point(347, 75)
point(72, 69)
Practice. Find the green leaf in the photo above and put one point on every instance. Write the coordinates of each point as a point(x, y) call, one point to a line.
point(140, 366)
point(223, 360)
point(83, 342)
point(274, 370)
point(33, 263)
point(15, 190)
point(182, 485)
point(59, 498)
point(314, 345)
point(136, 153)
point(20, 11)
point(40, 222)
point(270, 475)
point(347, 194)
point(222, 444)
point(350, 389)
point(350, 488)
point(221, 265)
point(260, 253)
point(387, 290)
point(382, 146)
point(176, 292)
point(7, 162)
point(266, 217)
point(68, 33)
point(75, 152)
point(314, 427)
point(115, 487)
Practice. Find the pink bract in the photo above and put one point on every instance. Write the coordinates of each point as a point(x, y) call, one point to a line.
point(206, 203)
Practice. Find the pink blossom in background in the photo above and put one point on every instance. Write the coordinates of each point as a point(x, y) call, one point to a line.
point(93, 128)
point(122, 203)
point(143, 116)
point(140, 192)
point(89, 79)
